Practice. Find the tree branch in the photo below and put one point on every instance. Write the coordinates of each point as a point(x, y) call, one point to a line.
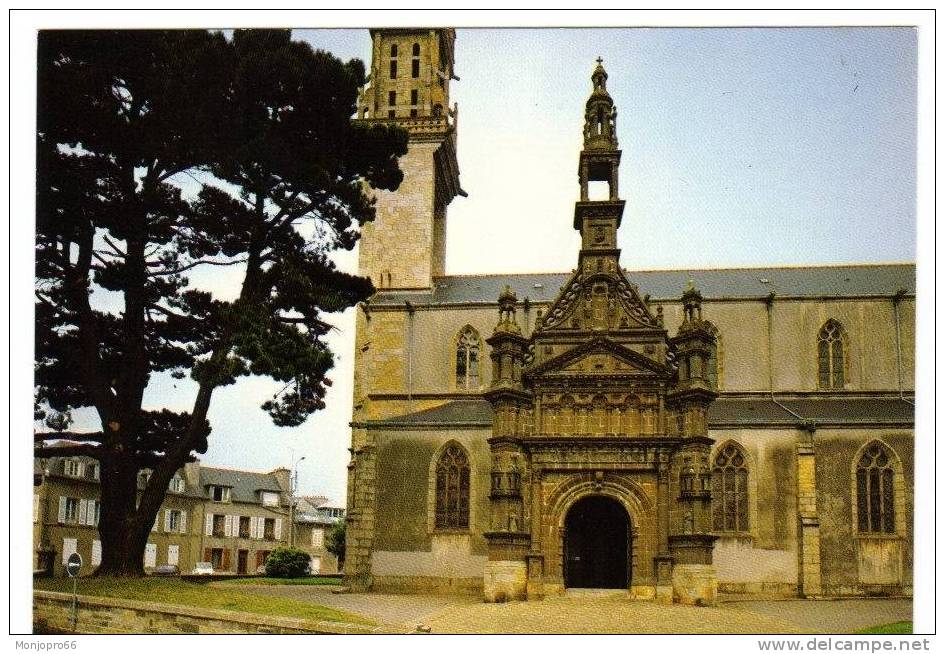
point(93, 436)
point(68, 450)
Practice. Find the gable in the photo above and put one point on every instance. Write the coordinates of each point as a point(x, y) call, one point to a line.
point(604, 300)
point(600, 356)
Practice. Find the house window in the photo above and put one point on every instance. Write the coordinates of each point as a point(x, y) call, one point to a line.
point(391, 114)
point(467, 359)
point(452, 488)
point(415, 68)
point(177, 484)
point(730, 490)
point(216, 558)
point(174, 521)
point(393, 69)
point(392, 98)
point(72, 510)
point(414, 96)
point(219, 525)
point(875, 495)
point(830, 356)
point(413, 113)
point(92, 471)
point(393, 49)
point(270, 498)
point(269, 529)
point(73, 467)
point(220, 493)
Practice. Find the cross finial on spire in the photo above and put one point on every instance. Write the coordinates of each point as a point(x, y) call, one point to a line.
point(600, 60)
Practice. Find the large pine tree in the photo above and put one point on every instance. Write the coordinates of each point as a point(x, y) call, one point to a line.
point(260, 126)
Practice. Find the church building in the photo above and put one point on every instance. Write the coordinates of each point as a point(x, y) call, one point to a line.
point(675, 433)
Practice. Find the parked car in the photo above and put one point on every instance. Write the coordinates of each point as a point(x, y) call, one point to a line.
point(166, 571)
point(203, 568)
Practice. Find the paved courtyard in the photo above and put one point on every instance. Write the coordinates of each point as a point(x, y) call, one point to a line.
point(603, 614)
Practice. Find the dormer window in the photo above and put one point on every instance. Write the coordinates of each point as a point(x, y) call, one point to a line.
point(220, 493)
point(72, 467)
point(270, 498)
point(177, 484)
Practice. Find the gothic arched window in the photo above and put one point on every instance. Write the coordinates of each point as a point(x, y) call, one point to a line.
point(830, 355)
point(393, 49)
point(875, 495)
point(416, 49)
point(452, 488)
point(730, 490)
point(468, 346)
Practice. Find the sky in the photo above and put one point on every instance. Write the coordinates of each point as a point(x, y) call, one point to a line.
point(741, 147)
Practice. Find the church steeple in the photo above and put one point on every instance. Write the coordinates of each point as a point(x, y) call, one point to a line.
point(598, 219)
point(600, 116)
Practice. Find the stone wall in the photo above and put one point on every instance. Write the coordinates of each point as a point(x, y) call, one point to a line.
point(52, 612)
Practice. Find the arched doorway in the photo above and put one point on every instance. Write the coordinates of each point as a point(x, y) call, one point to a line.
point(597, 544)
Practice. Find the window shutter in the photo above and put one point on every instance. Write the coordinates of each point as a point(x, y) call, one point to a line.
point(260, 559)
point(62, 510)
point(173, 554)
point(94, 518)
point(183, 522)
point(69, 547)
point(226, 559)
point(167, 520)
point(252, 527)
point(278, 528)
point(96, 552)
point(157, 519)
point(208, 529)
point(228, 526)
point(35, 508)
point(80, 469)
point(207, 554)
point(83, 511)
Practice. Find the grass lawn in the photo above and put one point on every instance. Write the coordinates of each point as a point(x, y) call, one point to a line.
point(891, 628)
point(278, 581)
point(183, 593)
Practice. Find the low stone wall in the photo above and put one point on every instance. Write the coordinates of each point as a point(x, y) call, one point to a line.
point(52, 612)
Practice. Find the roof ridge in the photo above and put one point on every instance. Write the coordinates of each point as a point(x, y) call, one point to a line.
point(881, 264)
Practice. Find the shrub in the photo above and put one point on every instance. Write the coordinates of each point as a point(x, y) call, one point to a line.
point(336, 542)
point(288, 562)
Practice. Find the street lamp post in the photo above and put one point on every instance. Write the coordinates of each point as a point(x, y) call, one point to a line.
point(293, 486)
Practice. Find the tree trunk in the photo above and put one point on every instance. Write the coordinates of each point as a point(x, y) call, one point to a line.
point(122, 529)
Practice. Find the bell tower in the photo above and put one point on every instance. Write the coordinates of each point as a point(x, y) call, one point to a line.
point(599, 218)
point(411, 70)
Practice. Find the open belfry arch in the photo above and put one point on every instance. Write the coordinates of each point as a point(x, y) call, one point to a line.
point(600, 401)
point(519, 435)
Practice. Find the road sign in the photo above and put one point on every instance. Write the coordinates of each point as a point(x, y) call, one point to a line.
point(74, 564)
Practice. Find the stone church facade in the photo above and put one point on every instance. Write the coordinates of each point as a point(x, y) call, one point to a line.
point(674, 433)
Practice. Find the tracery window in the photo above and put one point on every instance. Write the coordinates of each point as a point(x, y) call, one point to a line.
point(452, 488)
point(468, 346)
point(875, 495)
point(830, 355)
point(730, 490)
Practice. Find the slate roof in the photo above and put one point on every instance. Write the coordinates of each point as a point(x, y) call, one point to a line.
point(726, 411)
point(243, 484)
point(665, 285)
